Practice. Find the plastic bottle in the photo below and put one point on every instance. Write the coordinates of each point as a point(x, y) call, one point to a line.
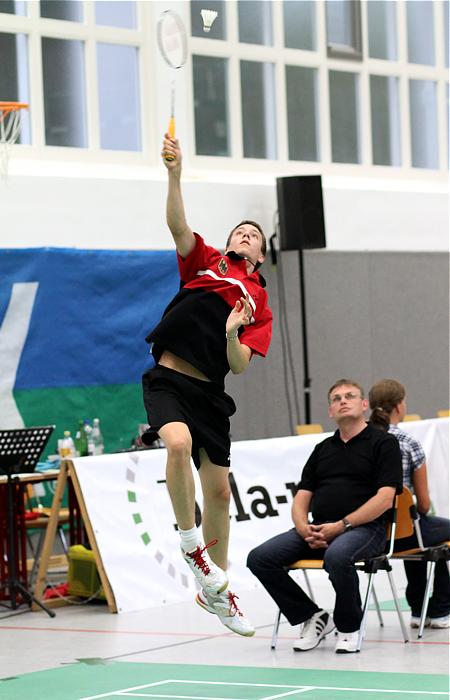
point(88, 431)
point(81, 441)
point(67, 448)
point(97, 438)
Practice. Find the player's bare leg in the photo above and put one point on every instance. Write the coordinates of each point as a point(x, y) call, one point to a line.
point(216, 508)
point(216, 526)
point(181, 487)
point(179, 478)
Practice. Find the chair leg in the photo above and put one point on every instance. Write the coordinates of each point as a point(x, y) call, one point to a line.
point(308, 585)
point(426, 598)
point(276, 626)
point(30, 544)
point(377, 607)
point(397, 606)
point(362, 629)
point(62, 537)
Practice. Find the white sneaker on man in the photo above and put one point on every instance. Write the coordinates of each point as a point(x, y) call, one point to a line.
point(415, 622)
point(440, 623)
point(224, 606)
point(313, 631)
point(347, 642)
point(211, 577)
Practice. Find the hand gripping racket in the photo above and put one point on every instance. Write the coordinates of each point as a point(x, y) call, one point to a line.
point(172, 43)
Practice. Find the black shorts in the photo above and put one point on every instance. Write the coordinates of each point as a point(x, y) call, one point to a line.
point(204, 406)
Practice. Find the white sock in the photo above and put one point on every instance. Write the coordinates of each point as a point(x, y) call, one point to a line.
point(190, 539)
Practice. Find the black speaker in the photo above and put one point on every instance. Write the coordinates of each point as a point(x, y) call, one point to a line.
point(300, 210)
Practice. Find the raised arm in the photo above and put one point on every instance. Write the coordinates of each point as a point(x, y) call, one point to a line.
point(176, 220)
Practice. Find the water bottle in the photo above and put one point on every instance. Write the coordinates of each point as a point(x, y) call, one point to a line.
point(88, 431)
point(97, 438)
point(67, 447)
point(81, 441)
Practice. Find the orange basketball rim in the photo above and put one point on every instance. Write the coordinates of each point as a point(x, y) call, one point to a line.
point(10, 113)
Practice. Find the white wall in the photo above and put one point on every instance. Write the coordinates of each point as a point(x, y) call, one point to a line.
point(109, 207)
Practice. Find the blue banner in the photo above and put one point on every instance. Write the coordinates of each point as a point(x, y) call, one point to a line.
point(89, 312)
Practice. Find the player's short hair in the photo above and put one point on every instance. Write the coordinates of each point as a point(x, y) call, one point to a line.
point(257, 226)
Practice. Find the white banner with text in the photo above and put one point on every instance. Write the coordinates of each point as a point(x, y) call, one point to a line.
point(132, 518)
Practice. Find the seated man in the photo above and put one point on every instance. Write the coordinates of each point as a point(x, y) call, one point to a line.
point(348, 483)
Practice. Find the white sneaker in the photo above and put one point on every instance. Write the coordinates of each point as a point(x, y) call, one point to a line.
point(415, 622)
point(313, 631)
point(347, 642)
point(440, 623)
point(211, 577)
point(224, 606)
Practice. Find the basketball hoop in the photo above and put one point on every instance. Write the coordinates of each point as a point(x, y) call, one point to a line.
point(10, 118)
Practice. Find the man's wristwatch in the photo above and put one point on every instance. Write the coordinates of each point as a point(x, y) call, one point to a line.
point(347, 524)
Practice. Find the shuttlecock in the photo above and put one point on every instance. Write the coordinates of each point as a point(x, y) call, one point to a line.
point(208, 17)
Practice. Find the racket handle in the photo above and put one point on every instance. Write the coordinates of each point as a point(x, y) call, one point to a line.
point(171, 132)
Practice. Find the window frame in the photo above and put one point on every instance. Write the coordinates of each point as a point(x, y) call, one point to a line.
point(350, 52)
point(36, 28)
point(155, 91)
point(322, 62)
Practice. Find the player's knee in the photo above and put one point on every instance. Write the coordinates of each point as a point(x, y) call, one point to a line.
point(179, 447)
point(219, 497)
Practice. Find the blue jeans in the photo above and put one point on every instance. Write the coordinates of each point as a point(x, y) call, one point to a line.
point(434, 530)
point(268, 561)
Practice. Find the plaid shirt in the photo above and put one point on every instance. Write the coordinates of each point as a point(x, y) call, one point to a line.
point(413, 455)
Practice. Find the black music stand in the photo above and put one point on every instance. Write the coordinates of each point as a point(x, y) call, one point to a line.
point(19, 453)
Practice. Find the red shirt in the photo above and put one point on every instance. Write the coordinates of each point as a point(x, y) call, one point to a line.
point(193, 325)
point(206, 268)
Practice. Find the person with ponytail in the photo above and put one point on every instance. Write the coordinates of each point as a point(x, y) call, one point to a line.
point(388, 404)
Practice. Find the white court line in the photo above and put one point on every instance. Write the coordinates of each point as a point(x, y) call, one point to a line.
point(179, 697)
point(252, 685)
point(128, 692)
point(125, 690)
point(173, 680)
point(381, 690)
point(122, 693)
point(302, 689)
point(312, 687)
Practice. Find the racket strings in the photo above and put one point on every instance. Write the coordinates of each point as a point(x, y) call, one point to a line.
point(172, 40)
point(172, 43)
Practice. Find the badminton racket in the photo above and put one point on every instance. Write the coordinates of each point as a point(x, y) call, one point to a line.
point(172, 43)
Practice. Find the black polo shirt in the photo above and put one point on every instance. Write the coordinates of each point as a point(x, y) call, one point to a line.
point(344, 475)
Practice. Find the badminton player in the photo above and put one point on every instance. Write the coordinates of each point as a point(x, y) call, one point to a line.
point(218, 320)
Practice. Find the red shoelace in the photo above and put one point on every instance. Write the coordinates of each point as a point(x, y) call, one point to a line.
point(234, 610)
point(197, 556)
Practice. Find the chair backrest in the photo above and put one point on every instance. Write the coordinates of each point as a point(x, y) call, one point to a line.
point(308, 428)
point(405, 514)
point(412, 416)
point(443, 413)
point(391, 528)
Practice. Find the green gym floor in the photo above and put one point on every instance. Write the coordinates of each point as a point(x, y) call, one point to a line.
point(180, 651)
point(84, 681)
